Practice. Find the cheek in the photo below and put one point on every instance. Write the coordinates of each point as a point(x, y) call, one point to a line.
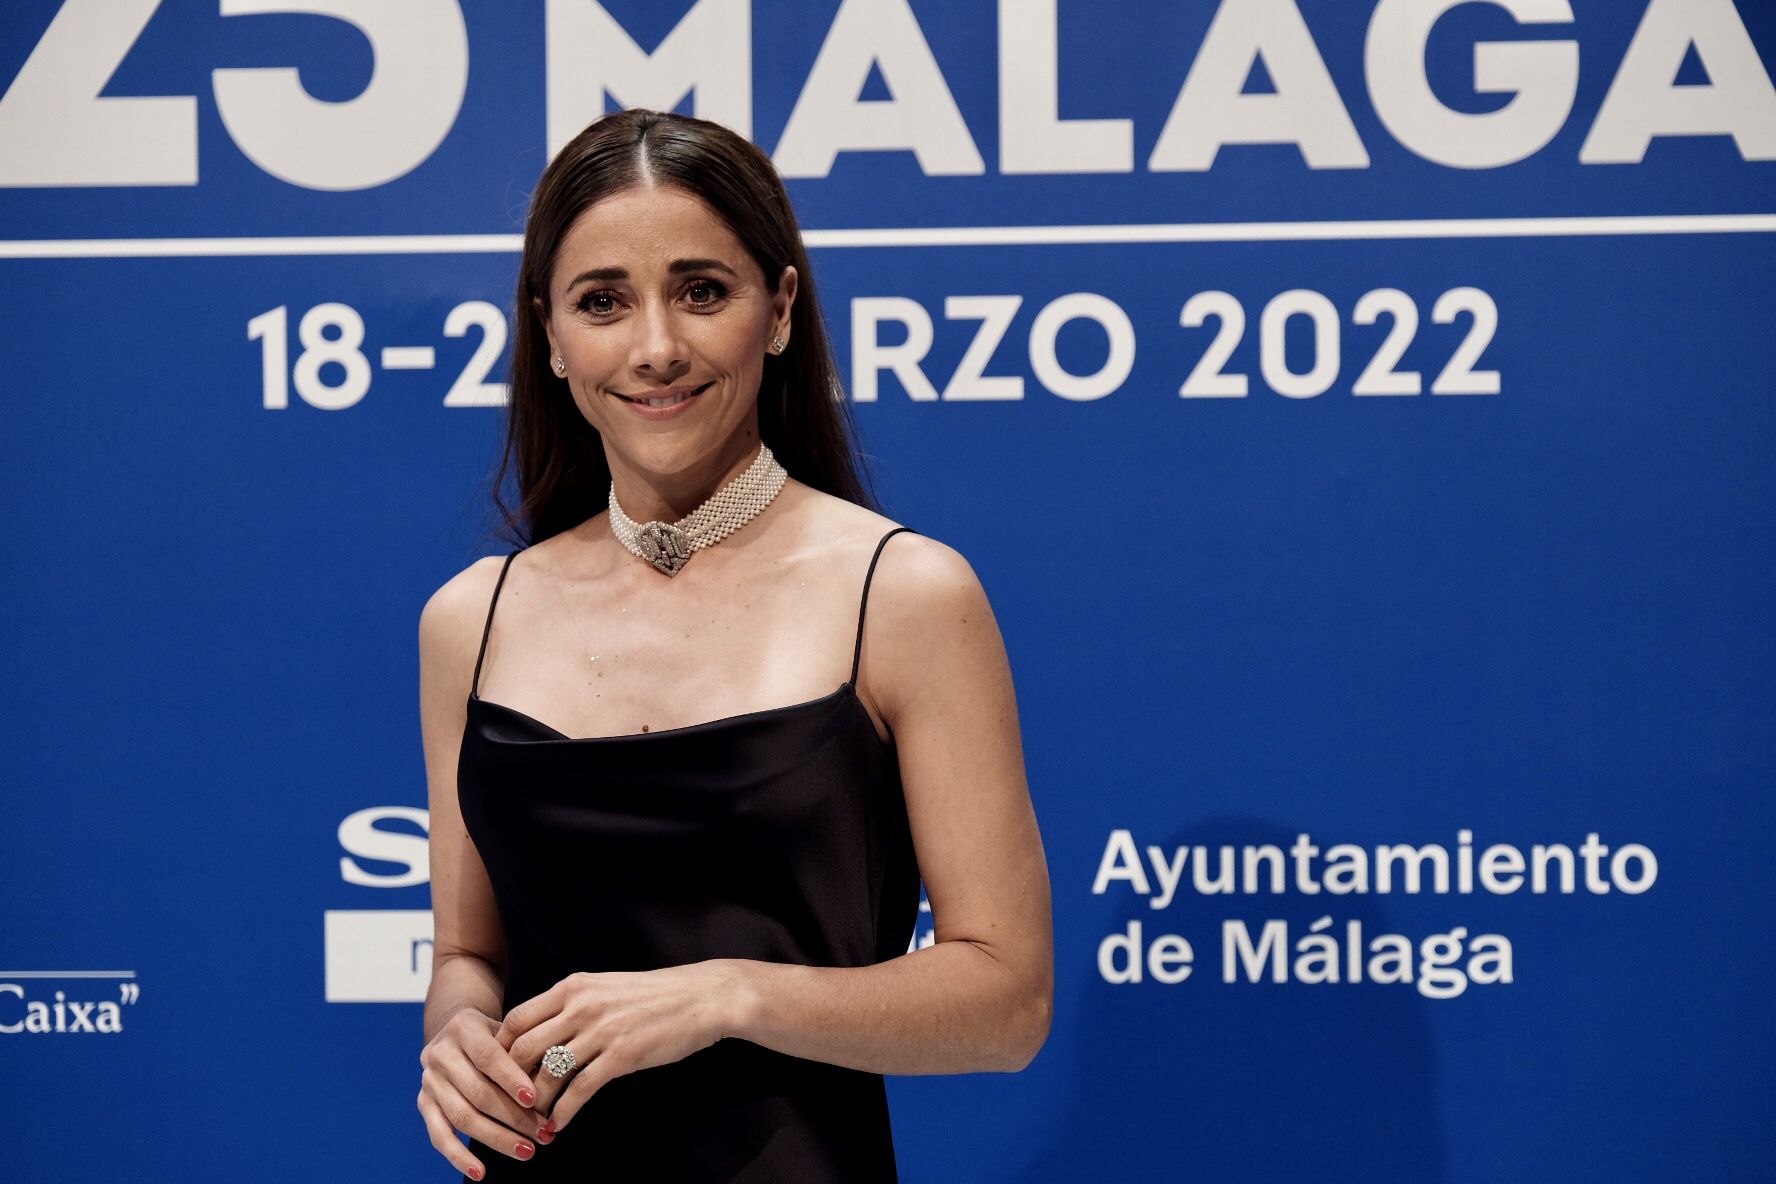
point(738, 347)
point(595, 363)
point(588, 348)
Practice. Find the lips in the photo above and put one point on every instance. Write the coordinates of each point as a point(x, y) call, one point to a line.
point(669, 393)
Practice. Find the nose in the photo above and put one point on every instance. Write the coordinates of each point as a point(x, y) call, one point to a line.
point(658, 352)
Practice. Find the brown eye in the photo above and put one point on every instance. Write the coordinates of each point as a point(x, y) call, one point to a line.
point(588, 302)
point(715, 290)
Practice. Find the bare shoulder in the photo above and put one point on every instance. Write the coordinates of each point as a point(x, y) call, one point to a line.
point(930, 629)
point(916, 570)
point(914, 573)
point(921, 585)
point(450, 626)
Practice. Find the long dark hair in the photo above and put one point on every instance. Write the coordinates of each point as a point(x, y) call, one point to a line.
point(804, 414)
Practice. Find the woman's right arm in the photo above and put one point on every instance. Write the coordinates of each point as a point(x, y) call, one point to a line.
point(469, 1083)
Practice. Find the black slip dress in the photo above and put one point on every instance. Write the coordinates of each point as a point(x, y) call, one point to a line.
point(779, 835)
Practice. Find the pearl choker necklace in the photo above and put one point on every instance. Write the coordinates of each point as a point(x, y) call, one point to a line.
point(669, 545)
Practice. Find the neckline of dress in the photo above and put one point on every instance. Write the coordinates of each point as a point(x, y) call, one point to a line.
point(845, 689)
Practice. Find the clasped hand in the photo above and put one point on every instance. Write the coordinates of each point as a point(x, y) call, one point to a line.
point(614, 1022)
point(484, 1077)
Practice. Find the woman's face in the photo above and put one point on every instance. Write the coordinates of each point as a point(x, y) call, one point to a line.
point(651, 291)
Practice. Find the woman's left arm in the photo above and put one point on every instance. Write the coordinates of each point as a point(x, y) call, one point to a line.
point(979, 998)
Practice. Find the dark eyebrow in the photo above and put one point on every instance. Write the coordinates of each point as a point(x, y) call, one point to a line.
point(677, 267)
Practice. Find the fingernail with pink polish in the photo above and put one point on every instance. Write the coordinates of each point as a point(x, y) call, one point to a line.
point(526, 1097)
point(525, 1150)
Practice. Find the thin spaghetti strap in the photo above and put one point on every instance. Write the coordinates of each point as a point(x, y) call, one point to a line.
point(863, 603)
point(475, 686)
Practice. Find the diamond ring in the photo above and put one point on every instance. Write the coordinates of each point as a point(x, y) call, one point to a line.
point(559, 1060)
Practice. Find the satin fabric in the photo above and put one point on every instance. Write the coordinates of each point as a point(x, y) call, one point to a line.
point(779, 835)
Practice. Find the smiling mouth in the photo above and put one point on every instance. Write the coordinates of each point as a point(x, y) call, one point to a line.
point(663, 401)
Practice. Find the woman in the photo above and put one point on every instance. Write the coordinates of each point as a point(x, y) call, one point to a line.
point(672, 922)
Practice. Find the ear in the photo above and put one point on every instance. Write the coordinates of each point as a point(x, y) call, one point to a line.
point(542, 315)
point(783, 301)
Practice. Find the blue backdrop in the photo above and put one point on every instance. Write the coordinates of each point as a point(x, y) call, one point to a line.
point(1359, 415)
